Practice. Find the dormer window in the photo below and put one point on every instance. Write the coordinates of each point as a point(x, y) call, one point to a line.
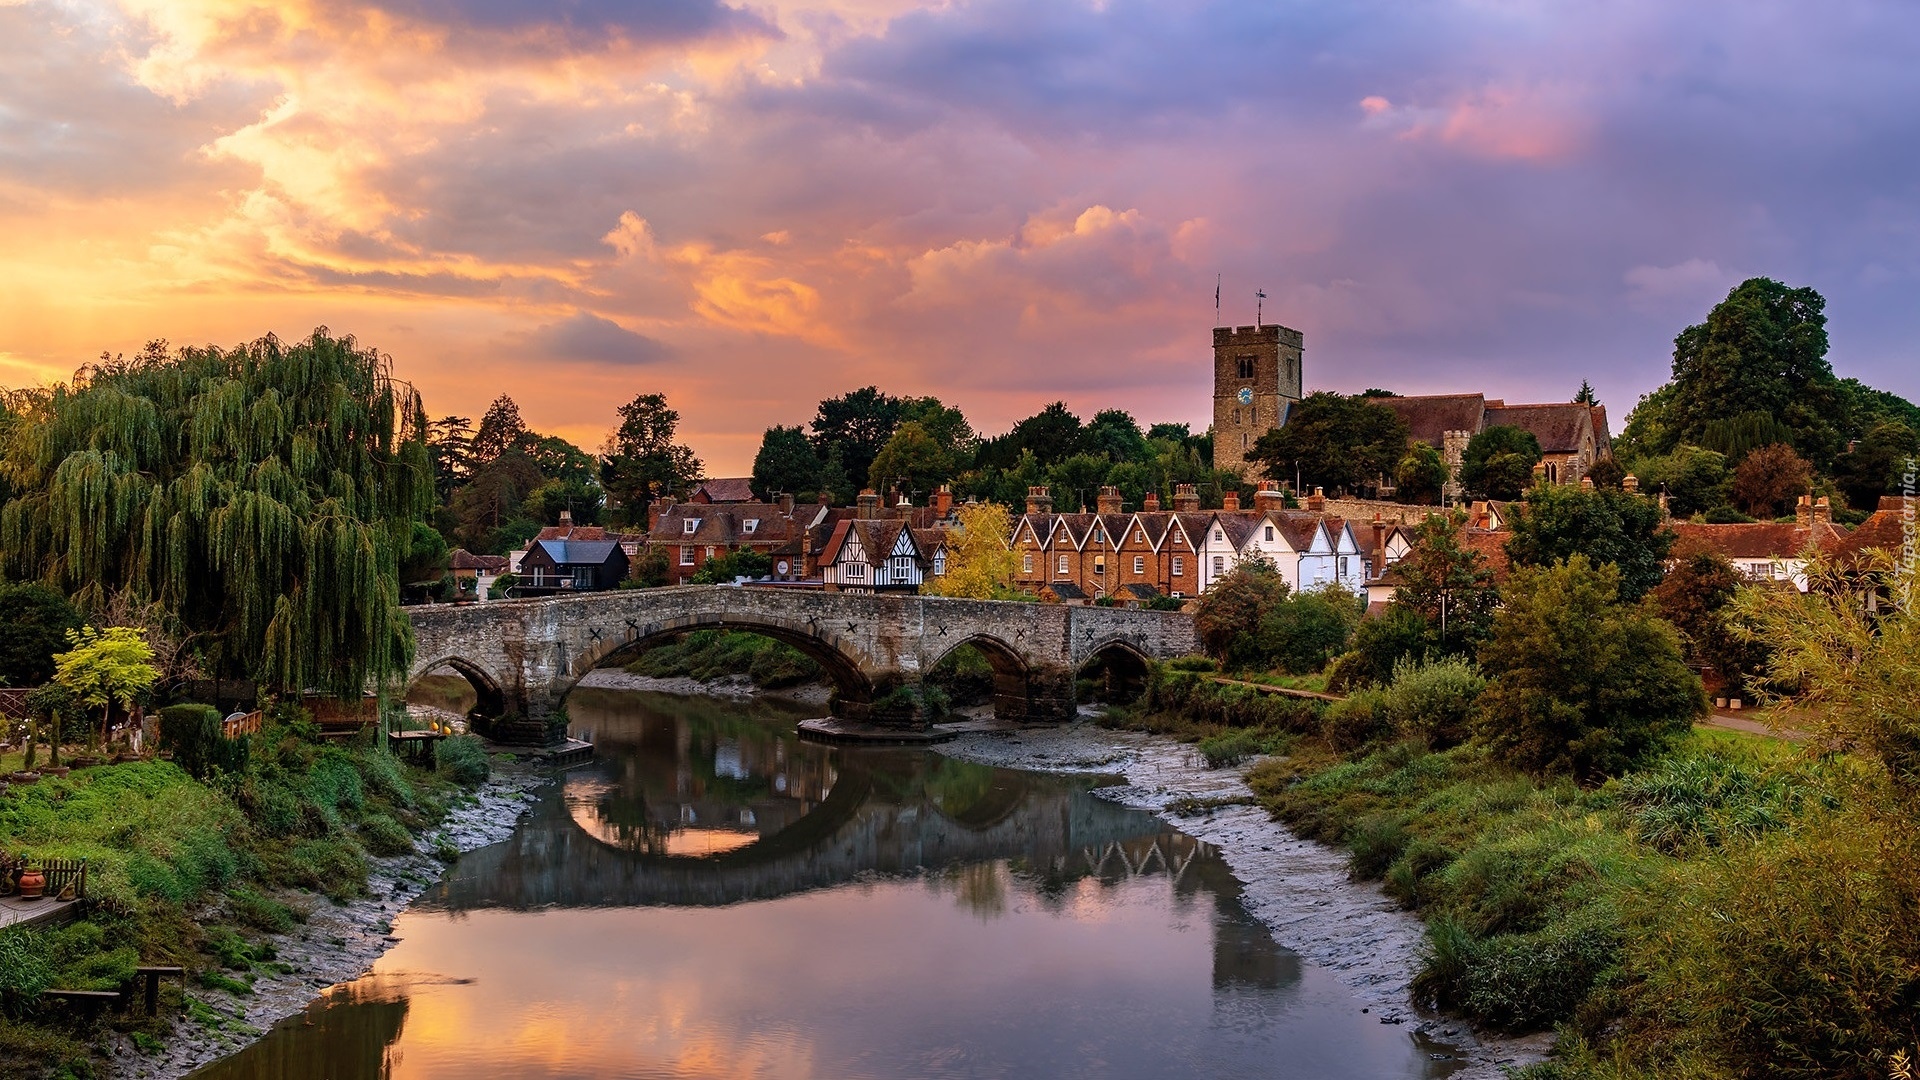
point(690, 525)
point(749, 525)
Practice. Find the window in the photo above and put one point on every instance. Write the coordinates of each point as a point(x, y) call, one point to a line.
point(1246, 367)
point(689, 526)
point(1063, 566)
point(1099, 535)
point(1269, 533)
point(1219, 537)
point(1236, 418)
point(1245, 441)
point(1026, 564)
point(686, 554)
point(1179, 539)
point(1139, 564)
point(1219, 564)
point(856, 571)
point(749, 525)
point(1179, 566)
point(1100, 565)
point(1343, 566)
point(939, 563)
point(1139, 536)
point(583, 577)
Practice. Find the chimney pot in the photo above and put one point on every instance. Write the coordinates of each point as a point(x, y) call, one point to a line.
point(1317, 502)
point(566, 518)
point(1267, 497)
point(1038, 501)
point(1108, 501)
point(1803, 510)
point(1822, 510)
point(1186, 498)
point(1152, 502)
point(1230, 501)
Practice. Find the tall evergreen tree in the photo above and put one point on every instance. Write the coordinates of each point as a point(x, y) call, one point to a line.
point(263, 495)
point(643, 460)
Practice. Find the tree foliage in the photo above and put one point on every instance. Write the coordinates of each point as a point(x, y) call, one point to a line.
point(1769, 478)
point(107, 667)
point(980, 563)
point(1421, 475)
point(1762, 349)
point(1448, 583)
point(1696, 597)
point(1875, 466)
point(34, 622)
point(1582, 681)
point(1606, 527)
point(1334, 441)
point(911, 461)
point(785, 463)
point(1499, 461)
point(262, 495)
point(643, 460)
point(1227, 617)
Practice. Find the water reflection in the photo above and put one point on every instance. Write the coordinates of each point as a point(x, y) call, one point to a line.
point(714, 898)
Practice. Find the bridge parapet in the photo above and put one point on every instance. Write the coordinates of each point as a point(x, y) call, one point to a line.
point(523, 656)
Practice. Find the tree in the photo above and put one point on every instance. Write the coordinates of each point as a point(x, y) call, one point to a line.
point(1762, 349)
point(1334, 441)
point(426, 556)
point(744, 562)
point(858, 423)
point(486, 510)
point(1421, 475)
point(1695, 597)
point(980, 562)
point(1052, 435)
point(834, 479)
point(1874, 466)
point(1694, 478)
point(1607, 473)
point(104, 668)
point(1229, 615)
point(261, 495)
point(947, 425)
point(1582, 681)
point(1498, 462)
point(501, 430)
point(1448, 583)
point(1115, 433)
point(911, 460)
point(1303, 631)
point(1586, 395)
point(1606, 527)
point(642, 461)
point(450, 441)
point(786, 463)
point(1768, 480)
point(34, 623)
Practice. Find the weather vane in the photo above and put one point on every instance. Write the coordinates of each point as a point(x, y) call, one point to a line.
point(1259, 295)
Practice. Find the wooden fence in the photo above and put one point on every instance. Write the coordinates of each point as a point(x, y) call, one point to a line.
point(235, 726)
point(60, 874)
point(13, 703)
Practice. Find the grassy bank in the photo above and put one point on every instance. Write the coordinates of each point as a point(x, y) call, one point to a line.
point(1736, 906)
point(716, 654)
point(200, 873)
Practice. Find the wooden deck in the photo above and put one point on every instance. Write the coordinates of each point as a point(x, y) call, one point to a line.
point(48, 912)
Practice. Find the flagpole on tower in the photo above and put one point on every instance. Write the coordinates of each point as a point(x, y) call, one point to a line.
point(1259, 295)
point(1216, 299)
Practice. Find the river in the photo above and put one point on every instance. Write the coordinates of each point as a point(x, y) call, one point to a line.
point(713, 897)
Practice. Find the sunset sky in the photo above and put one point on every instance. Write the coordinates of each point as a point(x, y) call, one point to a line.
point(999, 202)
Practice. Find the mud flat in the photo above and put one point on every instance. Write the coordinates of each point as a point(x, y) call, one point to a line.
point(1299, 888)
point(337, 943)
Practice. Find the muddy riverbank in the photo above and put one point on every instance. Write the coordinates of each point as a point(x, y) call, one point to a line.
point(1298, 888)
point(338, 942)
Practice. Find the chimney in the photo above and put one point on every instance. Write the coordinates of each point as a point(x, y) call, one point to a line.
point(868, 505)
point(1038, 501)
point(903, 509)
point(1109, 500)
point(1477, 515)
point(785, 500)
point(1630, 484)
point(566, 519)
point(1822, 511)
point(1539, 473)
point(1230, 501)
point(660, 506)
point(1317, 502)
point(1377, 551)
point(943, 501)
point(1803, 511)
point(1586, 483)
point(1186, 499)
point(1152, 503)
point(1267, 498)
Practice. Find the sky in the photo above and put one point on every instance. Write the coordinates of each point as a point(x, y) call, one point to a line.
point(998, 202)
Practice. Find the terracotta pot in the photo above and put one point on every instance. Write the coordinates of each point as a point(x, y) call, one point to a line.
point(33, 884)
point(24, 777)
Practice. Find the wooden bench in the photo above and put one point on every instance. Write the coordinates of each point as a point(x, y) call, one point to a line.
point(150, 995)
point(86, 1002)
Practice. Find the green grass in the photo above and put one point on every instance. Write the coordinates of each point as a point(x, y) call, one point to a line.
point(713, 654)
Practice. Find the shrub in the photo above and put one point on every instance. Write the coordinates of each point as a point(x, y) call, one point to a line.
point(1235, 746)
point(1359, 719)
point(191, 733)
point(1192, 663)
point(26, 968)
point(462, 759)
point(1433, 702)
point(1379, 644)
point(1300, 633)
point(1519, 981)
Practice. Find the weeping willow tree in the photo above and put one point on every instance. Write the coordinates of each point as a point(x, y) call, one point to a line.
point(261, 495)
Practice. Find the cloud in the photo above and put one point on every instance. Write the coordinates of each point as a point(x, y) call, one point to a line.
point(587, 338)
point(1692, 283)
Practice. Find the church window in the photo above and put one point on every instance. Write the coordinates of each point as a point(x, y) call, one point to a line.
point(1244, 440)
point(1246, 367)
point(1236, 417)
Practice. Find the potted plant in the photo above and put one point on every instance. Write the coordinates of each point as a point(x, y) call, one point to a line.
point(33, 883)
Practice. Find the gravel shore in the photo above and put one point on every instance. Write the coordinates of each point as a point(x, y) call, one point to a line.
point(337, 943)
point(1299, 888)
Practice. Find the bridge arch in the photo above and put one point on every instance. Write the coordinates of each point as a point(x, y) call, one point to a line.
point(844, 663)
point(490, 700)
point(1120, 664)
point(1012, 676)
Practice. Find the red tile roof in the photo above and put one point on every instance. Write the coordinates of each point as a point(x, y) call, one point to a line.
point(1758, 539)
point(726, 489)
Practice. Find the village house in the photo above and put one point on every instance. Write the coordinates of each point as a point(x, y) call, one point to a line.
point(690, 534)
point(551, 566)
point(731, 489)
point(1768, 551)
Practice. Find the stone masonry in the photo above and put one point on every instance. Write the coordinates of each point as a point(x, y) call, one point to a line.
point(523, 656)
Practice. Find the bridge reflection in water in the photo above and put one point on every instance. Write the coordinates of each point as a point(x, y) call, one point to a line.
point(714, 897)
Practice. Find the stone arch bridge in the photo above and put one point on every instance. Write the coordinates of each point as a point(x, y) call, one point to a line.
point(523, 656)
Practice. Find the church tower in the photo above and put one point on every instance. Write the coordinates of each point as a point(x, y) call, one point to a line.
point(1256, 375)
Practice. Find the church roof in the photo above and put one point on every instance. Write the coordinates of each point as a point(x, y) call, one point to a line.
point(1430, 417)
point(1558, 426)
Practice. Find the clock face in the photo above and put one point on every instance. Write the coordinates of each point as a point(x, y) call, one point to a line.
point(1246, 395)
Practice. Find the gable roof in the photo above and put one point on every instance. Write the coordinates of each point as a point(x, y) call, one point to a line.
point(580, 552)
point(462, 559)
point(1758, 539)
point(1429, 417)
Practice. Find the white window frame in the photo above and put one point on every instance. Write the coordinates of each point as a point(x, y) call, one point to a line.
point(686, 554)
point(1062, 564)
point(1139, 564)
point(689, 526)
point(1026, 563)
point(749, 525)
point(1179, 566)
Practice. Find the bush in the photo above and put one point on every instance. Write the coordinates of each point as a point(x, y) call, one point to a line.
point(1361, 718)
point(259, 911)
point(1300, 633)
point(1433, 702)
point(192, 734)
point(462, 759)
point(1519, 981)
point(1192, 663)
point(1379, 644)
point(502, 587)
point(1237, 745)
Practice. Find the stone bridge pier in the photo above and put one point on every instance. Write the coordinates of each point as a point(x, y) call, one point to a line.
point(523, 656)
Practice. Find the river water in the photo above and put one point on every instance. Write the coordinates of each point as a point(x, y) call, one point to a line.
point(713, 897)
